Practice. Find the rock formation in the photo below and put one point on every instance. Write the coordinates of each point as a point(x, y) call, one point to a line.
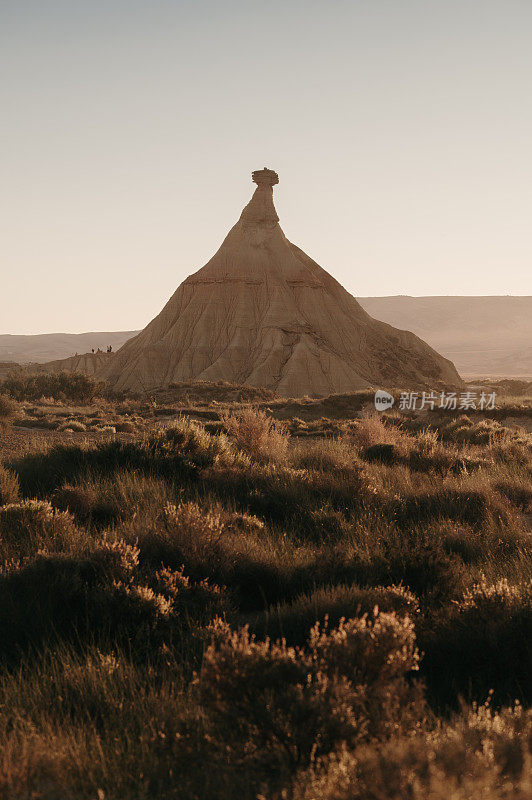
point(262, 313)
point(89, 363)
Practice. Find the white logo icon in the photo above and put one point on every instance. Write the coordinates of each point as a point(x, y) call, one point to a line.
point(383, 400)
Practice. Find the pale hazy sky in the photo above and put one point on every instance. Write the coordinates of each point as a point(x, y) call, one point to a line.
point(401, 131)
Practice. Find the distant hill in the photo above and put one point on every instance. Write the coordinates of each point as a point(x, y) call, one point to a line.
point(481, 335)
point(44, 347)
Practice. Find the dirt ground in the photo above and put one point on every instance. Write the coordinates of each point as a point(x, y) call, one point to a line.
point(18, 441)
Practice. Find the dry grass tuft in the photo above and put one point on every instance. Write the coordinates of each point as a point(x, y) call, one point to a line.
point(9, 488)
point(257, 434)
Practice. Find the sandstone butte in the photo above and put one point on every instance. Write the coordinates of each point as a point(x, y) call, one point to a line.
point(262, 313)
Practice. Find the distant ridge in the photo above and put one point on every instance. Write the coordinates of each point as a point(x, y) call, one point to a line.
point(43, 347)
point(481, 335)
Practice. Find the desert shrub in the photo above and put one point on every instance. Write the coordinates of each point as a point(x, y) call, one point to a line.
point(424, 454)
point(126, 427)
point(74, 598)
point(177, 451)
point(324, 428)
point(210, 392)
point(192, 441)
point(427, 441)
point(211, 545)
point(293, 621)
point(105, 501)
point(9, 488)
point(32, 525)
point(481, 506)
point(94, 723)
point(257, 434)
point(487, 431)
point(76, 386)
point(8, 410)
point(511, 453)
point(272, 707)
point(518, 490)
point(72, 425)
point(78, 500)
point(382, 453)
point(372, 429)
point(290, 497)
point(69, 689)
point(475, 545)
point(201, 601)
point(110, 429)
point(480, 754)
point(324, 525)
point(480, 644)
point(326, 455)
point(42, 473)
point(418, 560)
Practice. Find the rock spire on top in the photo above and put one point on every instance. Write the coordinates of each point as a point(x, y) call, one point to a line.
point(265, 177)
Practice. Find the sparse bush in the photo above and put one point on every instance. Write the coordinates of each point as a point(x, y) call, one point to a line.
point(90, 595)
point(39, 422)
point(32, 525)
point(201, 601)
point(41, 473)
point(325, 455)
point(79, 500)
point(102, 503)
point(126, 427)
point(518, 491)
point(272, 707)
point(9, 488)
point(258, 434)
point(418, 560)
point(72, 425)
point(480, 644)
point(76, 386)
point(383, 453)
point(481, 506)
point(211, 545)
point(372, 429)
point(480, 754)
point(192, 441)
point(8, 410)
point(293, 621)
point(475, 544)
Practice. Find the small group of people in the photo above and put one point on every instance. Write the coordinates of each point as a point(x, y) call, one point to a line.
point(109, 349)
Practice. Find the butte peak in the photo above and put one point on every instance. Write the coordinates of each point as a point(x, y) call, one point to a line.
point(262, 313)
point(265, 177)
point(260, 210)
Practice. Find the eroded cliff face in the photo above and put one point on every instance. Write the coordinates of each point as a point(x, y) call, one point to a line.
point(262, 313)
point(89, 363)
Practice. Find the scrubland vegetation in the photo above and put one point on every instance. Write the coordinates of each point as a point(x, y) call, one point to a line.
point(263, 602)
